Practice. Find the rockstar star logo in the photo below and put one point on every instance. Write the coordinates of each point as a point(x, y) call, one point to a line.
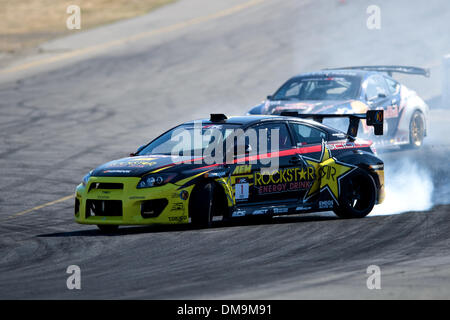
point(328, 173)
point(303, 174)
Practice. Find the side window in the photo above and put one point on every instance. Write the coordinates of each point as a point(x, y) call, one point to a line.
point(307, 135)
point(293, 90)
point(375, 85)
point(371, 89)
point(393, 85)
point(284, 138)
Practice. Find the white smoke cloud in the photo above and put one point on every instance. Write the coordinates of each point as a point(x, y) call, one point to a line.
point(409, 187)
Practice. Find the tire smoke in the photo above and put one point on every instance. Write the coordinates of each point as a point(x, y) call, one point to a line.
point(409, 187)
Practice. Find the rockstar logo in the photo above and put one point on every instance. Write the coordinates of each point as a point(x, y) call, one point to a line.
point(329, 172)
point(303, 174)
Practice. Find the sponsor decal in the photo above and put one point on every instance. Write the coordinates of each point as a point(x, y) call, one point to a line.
point(390, 112)
point(293, 106)
point(285, 180)
point(326, 204)
point(238, 213)
point(259, 211)
point(136, 197)
point(140, 163)
point(178, 219)
point(243, 169)
point(285, 187)
point(116, 171)
point(218, 174)
point(241, 191)
point(339, 135)
point(330, 171)
point(329, 175)
point(346, 145)
point(301, 208)
point(177, 207)
point(280, 210)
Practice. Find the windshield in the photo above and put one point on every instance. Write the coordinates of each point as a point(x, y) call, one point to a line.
point(340, 87)
point(191, 138)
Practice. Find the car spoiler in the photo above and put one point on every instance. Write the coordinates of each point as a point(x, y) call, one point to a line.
point(389, 69)
point(373, 118)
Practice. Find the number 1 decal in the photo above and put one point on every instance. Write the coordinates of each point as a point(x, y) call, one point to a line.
point(241, 191)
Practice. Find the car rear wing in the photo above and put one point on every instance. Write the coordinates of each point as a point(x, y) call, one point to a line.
point(373, 118)
point(389, 69)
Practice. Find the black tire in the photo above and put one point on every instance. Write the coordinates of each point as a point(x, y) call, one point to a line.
point(416, 131)
point(108, 228)
point(358, 196)
point(201, 205)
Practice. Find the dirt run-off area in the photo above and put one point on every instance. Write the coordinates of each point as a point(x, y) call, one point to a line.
point(27, 23)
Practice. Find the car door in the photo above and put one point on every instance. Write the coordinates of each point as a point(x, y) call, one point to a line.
point(393, 111)
point(271, 174)
point(309, 142)
point(376, 92)
point(378, 96)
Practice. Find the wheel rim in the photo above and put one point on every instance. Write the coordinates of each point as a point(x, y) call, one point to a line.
point(358, 194)
point(416, 130)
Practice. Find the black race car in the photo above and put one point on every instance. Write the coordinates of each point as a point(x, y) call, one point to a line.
point(236, 167)
point(356, 90)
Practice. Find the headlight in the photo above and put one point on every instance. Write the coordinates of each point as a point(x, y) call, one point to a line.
point(155, 180)
point(86, 178)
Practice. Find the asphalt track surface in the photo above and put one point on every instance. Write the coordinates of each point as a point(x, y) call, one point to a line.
point(86, 99)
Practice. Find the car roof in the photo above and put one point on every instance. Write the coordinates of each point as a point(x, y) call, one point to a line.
point(241, 120)
point(245, 121)
point(337, 72)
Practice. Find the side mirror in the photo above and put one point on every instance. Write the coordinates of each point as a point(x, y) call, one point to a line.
point(370, 99)
point(133, 154)
point(269, 97)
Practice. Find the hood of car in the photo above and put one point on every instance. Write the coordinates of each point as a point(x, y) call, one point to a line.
point(134, 166)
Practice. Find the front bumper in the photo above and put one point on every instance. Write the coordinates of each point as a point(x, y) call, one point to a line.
point(117, 201)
